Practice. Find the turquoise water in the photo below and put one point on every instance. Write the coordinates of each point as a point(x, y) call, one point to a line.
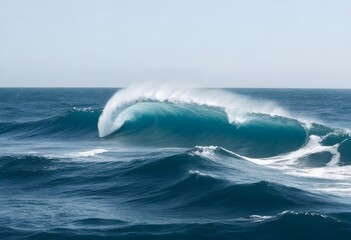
point(158, 163)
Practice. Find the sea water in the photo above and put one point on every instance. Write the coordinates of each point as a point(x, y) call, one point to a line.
point(163, 163)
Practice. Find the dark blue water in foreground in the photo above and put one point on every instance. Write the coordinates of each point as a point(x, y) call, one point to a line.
point(175, 164)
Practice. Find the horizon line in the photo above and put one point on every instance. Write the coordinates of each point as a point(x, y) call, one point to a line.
point(89, 87)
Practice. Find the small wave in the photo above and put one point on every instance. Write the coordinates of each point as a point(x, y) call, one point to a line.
point(77, 122)
point(304, 225)
point(25, 166)
point(95, 222)
point(190, 181)
point(277, 229)
point(261, 196)
point(199, 191)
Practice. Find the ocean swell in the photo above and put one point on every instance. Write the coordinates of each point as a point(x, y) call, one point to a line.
point(77, 122)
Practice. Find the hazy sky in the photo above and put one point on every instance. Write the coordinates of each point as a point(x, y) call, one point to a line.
point(223, 43)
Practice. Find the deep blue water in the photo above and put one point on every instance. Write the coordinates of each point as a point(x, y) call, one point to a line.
point(158, 163)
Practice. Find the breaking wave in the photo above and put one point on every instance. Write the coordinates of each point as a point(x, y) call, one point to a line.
point(188, 117)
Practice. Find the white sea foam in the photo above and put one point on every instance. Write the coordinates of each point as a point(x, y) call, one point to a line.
point(259, 218)
point(204, 151)
point(198, 173)
point(84, 109)
point(313, 146)
point(84, 154)
point(337, 177)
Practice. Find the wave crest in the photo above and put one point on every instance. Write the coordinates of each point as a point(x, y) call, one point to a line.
point(235, 106)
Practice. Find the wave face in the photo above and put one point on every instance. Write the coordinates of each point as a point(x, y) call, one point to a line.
point(184, 125)
point(160, 163)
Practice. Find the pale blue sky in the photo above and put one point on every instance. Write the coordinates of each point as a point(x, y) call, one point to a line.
point(222, 43)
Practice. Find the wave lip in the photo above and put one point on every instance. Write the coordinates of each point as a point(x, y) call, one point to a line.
point(112, 117)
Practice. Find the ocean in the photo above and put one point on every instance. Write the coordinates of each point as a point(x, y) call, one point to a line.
point(163, 163)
